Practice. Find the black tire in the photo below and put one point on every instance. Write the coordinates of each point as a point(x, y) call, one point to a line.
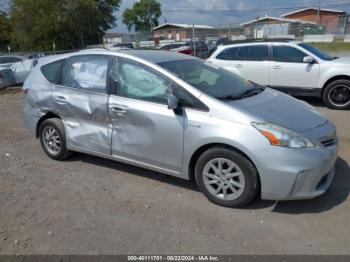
point(249, 172)
point(57, 125)
point(328, 93)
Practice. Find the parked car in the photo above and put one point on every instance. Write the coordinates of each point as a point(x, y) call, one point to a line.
point(293, 67)
point(126, 45)
point(17, 73)
point(184, 117)
point(171, 46)
point(6, 61)
point(7, 77)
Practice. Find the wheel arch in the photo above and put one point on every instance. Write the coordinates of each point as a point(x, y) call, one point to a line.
point(46, 116)
point(206, 147)
point(332, 79)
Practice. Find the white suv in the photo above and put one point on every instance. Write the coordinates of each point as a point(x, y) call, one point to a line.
point(293, 67)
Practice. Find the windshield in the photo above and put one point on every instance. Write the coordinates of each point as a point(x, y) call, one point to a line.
point(317, 52)
point(210, 79)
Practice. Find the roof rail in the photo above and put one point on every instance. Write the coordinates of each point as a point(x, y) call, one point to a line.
point(253, 40)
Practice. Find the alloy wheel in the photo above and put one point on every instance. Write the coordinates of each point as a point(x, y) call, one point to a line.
point(51, 140)
point(339, 95)
point(223, 179)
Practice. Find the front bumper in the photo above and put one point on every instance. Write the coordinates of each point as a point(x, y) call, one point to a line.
point(300, 173)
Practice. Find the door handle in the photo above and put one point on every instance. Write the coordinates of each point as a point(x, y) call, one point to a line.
point(239, 65)
point(61, 99)
point(119, 109)
point(276, 67)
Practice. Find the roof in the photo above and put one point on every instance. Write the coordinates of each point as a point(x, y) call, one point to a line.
point(284, 20)
point(312, 8)
point(185, 26)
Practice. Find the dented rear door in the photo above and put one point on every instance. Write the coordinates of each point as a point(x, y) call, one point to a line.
point(81, 101)
point(145, 131)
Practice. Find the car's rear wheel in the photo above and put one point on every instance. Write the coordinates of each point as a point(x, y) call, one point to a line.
point(336, 95)
point(52, 139)
point(226, 177)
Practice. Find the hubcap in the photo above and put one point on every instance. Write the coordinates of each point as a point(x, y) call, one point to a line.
point(339, 95)
point(52, 140)
point(223, 179)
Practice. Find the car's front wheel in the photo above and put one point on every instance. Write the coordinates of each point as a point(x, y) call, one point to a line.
point(226, 177)
point(336, 95)
point(52, 139)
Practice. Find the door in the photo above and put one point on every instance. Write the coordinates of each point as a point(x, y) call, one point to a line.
point(250, 61)
point(288, 71)
point(145, 131)
point(81, 100)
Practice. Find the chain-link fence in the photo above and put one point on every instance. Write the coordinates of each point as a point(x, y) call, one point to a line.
point(324, 28)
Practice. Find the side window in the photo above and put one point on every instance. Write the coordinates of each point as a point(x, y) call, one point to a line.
point(139, 82)
point(228, 54)
point(257, 53)
point(12, 59)
point(253, 53)
point(88, 72)
point(53, 71)
point(287, 54)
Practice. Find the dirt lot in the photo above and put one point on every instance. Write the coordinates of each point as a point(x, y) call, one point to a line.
point(88, 205)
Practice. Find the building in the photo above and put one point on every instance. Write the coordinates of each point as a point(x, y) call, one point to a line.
point(115, 38)
point(333, 21)
point(274, 27)
point(181, 32)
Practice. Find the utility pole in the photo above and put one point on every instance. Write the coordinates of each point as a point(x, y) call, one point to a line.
point(318, 12)
point(193, 41)
point(150, 17)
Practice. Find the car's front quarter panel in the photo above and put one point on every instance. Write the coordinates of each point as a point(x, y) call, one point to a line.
point(202, 129)
point(329, 70)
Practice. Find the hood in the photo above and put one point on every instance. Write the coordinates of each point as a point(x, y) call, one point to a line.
point(342, 60)
point(281, 109)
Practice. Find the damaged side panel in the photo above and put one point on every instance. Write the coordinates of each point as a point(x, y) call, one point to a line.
point(85, 118)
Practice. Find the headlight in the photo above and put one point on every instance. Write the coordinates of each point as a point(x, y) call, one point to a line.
point(280, 136)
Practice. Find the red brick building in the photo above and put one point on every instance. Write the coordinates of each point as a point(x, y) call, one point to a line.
point(333, 20)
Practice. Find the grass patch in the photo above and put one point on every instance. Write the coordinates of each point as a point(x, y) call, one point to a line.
point(333, 47)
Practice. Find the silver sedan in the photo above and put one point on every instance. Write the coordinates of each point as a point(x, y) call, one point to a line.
point(185, 117)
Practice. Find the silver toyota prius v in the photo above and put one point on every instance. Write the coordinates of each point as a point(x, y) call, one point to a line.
point(184, 117)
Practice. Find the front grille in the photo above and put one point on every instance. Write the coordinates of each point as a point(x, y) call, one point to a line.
point(329, 142)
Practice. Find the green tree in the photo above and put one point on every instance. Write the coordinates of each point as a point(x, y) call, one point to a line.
point(142, 16)
point(5, 31)
point(70, 24)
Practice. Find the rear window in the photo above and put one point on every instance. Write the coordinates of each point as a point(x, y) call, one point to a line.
point(228, 54)
point(245, 53)
point(53, 71)
point(253, 53)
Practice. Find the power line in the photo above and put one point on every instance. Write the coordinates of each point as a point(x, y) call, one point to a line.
point(255, 10)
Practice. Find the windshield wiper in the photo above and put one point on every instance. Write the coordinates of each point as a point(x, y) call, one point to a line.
point(247, 93)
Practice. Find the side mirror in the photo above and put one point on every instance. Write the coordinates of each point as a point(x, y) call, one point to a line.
point(172, 102)
point(308, 59)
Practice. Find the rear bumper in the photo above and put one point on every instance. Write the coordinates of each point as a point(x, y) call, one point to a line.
point(30, 118)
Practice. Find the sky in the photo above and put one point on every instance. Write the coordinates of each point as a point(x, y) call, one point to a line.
point(240, 10)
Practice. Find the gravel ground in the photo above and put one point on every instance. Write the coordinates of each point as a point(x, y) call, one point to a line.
point(88, 205)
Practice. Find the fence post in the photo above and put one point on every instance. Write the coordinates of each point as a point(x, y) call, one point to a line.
point(193, 41)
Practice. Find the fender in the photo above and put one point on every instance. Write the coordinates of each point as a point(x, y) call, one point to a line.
point(332, 72)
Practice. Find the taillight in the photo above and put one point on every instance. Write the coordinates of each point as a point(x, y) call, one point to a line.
point(186, 51)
